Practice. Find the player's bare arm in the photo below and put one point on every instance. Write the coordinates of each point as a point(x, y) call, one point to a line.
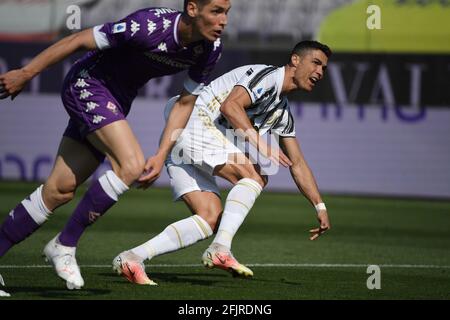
point(13, 82)
point(177, 120)
point(306, 183)
point(233, 109)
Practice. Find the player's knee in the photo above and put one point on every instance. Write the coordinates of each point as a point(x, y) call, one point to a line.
point(56, 195)
point(211, 215)
point(250, 173)
point(131, 170)
point(260, 179)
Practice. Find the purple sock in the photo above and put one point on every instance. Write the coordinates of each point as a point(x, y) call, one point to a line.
point(16, 228)
point(94, 204)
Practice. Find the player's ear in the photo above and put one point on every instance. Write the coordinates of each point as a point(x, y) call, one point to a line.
point(295, 60)
point(192, 9)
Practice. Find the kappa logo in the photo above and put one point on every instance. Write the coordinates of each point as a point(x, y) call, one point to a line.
point(135, 27)
point(162, 47)
point(85, 94)
point(151, 26)
point(84, 74)
point(98, 119)
point(81, 83)
point(93, 216)
point(119, 27)
point(166, 24)
point(112, 107)
point(91, 106)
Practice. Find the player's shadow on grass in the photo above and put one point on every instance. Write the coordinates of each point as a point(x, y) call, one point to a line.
point(58, 293)
point(199, 279)
point(191, 278)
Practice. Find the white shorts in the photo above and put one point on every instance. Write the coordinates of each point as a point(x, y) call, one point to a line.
point(186, 178)
point(204, 144)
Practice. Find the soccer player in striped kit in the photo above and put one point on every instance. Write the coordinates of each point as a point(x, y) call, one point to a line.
point(250, 100)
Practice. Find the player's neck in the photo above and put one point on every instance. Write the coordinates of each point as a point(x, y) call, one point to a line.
point(289, 84)
point(186, 31)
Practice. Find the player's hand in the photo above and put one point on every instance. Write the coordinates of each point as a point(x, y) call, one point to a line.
point(152, 171)
point(325, 225)
point(277, 156)
point(12, 83)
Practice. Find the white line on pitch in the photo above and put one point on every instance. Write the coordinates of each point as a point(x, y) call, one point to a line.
point(258, 265)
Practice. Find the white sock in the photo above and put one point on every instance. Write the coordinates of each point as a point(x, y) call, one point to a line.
point(113, 185)
point(239, 202)
point(35, 206)
point(178, 235)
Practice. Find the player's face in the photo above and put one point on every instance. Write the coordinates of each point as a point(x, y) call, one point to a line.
point(310, 70)
point(212, 18)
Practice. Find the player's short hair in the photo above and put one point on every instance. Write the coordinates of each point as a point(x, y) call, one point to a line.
point(200, 3)
point(304, 46)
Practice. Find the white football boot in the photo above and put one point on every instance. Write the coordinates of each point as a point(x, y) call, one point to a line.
point(3, 294)
point(63, 260)
point(132, 268)
point(218, 256)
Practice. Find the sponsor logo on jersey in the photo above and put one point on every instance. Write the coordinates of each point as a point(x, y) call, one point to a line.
point(160, 11)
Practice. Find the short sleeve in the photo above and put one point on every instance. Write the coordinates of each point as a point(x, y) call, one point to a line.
point(142, 29)
point(259, 83)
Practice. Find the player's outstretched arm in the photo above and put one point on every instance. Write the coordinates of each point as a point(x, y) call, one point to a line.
point(178, 118)
point(306, 183)
point(233, 109)
point(13, 82)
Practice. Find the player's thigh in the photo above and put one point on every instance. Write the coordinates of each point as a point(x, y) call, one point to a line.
point(75, 162)
point(118, 142)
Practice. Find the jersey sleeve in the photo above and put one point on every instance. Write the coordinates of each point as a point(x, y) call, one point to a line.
point(141, 29)
point(200, 72)
point(260, 83)
point(285, 126)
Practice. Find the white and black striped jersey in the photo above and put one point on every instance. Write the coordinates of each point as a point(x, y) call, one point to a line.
point(269, 111)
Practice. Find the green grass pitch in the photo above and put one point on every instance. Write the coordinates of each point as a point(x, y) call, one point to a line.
point(408, 239)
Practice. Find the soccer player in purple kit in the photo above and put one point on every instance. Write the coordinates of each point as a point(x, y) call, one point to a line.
point(97, 93)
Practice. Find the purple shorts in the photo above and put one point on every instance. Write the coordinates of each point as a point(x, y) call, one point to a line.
point(90, 105)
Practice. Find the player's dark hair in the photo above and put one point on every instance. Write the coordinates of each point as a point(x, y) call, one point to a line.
point(200, 3)
point(304, 46)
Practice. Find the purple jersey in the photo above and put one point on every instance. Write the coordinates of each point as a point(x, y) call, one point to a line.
point(143, 46)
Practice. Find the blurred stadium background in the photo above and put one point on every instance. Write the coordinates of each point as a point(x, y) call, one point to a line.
point(378, 126)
